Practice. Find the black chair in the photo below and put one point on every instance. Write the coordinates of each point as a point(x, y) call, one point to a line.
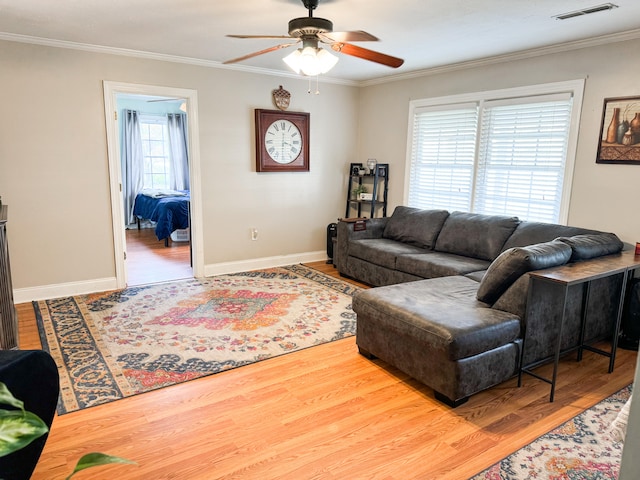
point(31, 376)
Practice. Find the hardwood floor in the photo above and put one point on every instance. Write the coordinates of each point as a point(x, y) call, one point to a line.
point(321, 413)
point(149, 261)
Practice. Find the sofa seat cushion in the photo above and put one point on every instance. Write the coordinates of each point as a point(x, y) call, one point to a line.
point(441, 314)
point(381, 251)
point(438, 264)
point(415, 226)
point(512, 263)
point(477, 276)
point(475, 235)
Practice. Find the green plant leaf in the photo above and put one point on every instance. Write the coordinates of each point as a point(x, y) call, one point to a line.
point(6, 398)
point(18, 429)
point(95, 459)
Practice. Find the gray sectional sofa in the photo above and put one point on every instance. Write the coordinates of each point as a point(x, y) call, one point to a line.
point(452, 294)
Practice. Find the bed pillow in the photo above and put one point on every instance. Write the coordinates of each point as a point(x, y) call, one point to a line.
point(592, 245)
point(415, 226)
point(516, 261)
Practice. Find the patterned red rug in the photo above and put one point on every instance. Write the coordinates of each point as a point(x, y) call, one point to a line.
point(116, 344)
point(582, 448)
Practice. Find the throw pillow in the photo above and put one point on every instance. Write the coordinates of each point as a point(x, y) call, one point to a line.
point(415, 226)
point(592, 245)
point(514, 262)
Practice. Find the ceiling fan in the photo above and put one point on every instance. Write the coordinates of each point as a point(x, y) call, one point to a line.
point(313, 30)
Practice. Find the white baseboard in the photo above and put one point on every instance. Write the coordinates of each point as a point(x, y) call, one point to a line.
point(23, 295)
point(265, 262)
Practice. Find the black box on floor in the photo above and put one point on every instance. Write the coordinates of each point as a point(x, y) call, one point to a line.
point(332, 232)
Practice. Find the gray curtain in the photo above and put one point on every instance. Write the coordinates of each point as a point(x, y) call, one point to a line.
point(132, 160)
point(177, 123)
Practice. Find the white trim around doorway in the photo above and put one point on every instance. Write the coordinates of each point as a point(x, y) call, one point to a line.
point(111, 90)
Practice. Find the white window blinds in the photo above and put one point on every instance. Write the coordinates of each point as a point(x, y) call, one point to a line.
point(494, 155)
point(521, 157)
point(442, 164)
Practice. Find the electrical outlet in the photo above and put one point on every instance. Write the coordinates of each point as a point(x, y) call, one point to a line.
point(254, 234)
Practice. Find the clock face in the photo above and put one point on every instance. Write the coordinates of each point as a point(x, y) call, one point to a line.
point(283, 141)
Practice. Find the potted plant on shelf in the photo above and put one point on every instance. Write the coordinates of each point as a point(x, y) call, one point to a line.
point(358, 190)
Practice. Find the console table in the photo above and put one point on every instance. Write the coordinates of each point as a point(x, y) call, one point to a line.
point(565, 276)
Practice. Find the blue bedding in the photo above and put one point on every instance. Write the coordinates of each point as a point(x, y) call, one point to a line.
point(169, 212)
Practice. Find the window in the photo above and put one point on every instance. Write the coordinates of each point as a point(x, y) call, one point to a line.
point(155, 151)
point(507, 152)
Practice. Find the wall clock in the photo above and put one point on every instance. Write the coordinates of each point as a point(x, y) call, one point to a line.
point(282, 141)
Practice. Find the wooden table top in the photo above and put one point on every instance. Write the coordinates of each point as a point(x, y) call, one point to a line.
point(587, 270)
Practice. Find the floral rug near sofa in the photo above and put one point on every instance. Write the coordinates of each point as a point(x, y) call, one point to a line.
point(117, 344)
point(581, 448)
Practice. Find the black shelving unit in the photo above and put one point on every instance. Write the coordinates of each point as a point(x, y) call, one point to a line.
point(377, 183)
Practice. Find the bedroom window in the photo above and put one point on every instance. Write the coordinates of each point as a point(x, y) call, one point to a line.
point(507, 152)
point(156, 151)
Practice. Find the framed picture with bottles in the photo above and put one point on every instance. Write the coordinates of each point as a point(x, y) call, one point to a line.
point(620, 131)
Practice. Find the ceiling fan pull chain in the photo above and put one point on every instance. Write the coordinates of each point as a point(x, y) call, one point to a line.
point(317, 92)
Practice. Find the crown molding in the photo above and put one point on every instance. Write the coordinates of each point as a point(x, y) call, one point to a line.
point(524, 54)
point(86, 47)
point(534, 52)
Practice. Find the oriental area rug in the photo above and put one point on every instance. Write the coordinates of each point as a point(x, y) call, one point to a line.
point(121, 343)
point(584, 448)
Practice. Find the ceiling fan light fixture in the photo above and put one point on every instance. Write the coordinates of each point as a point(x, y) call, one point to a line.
point(327, 60)
point(310, 61)
point(293, 60)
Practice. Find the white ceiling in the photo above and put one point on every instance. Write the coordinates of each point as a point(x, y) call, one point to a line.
point(426, 33)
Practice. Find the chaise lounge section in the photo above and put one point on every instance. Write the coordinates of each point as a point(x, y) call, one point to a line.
point(451, 311)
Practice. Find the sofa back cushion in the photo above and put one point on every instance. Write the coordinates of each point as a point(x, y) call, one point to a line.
point(415, 226)
point(529, 233)
point(514, 262)
point(475, 235)
point(592, 245)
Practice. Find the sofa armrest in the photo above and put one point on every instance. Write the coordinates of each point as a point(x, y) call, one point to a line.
point(346, 234)
point(375, 228)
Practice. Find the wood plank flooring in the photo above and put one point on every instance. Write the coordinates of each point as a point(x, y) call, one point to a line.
point(322, 413)
point(149, 261)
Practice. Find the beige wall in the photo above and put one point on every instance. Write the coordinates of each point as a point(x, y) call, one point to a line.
point(54, 165)
point(603, 197)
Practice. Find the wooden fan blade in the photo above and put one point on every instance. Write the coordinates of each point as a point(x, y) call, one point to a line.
point(353, 36)
point(367, 54)
point(255, 54)
point(259, 36)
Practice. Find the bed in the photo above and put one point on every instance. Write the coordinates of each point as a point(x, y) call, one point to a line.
point(169, 209)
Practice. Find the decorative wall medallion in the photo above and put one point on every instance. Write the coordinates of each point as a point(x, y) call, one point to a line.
point(281, 98)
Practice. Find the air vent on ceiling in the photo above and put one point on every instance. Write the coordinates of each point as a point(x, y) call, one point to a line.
point(586, 11)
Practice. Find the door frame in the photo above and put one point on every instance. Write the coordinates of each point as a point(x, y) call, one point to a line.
point(111, 90)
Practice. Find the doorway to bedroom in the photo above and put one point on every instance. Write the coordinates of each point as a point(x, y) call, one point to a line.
point(155, 156)
point(155, 179)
